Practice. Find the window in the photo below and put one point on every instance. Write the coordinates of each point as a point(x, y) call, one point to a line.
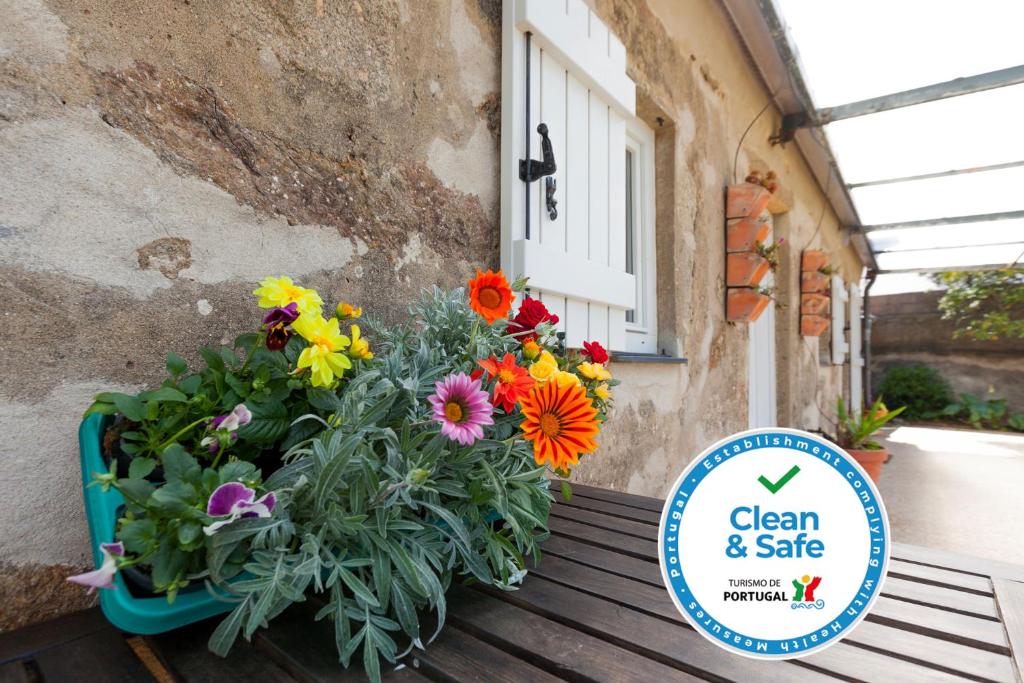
point(642, 320)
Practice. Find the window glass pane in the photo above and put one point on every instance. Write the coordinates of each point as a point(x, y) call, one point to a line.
point(961, 195)
point(852, 51)
point(966, 234)
point(942, 258)
point(944, 135)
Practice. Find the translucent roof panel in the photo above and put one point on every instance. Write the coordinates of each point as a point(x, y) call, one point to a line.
point(951, 258)
point(962, 235)
point(959, 195)
point(851, 51)
point(955, 133)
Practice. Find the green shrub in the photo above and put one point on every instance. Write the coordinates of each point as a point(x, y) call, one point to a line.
point(919, 387)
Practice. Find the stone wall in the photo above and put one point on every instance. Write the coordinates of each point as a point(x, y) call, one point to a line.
point(159, 157)
point(908, 328)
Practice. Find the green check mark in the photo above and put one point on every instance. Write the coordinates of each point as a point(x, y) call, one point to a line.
point(774, 488)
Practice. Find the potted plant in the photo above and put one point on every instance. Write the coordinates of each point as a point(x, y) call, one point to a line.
point(813, 259)
point(813, 325)
point(745, 304)
point(814, 281)
point(317, 466)
point(770, 182)
point(770, 252)
point(745, 269)
point(854, 432)
point(746, 200)
point(744, 234)
point(814, 303)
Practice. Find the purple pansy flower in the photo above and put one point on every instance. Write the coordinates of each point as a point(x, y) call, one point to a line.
point(462, 408)
point(104, 576)
point(233, 500)
point(227, 425)
point(282, 315)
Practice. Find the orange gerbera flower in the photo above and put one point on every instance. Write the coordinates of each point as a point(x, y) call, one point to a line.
point(561, 421)
point(490, 295)
point(514, 382)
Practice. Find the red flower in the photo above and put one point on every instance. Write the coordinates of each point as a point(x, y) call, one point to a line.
point(513, 383)
point(531, 313)
point(595, 351)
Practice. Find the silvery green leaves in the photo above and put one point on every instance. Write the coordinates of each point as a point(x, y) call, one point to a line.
point(383, 512)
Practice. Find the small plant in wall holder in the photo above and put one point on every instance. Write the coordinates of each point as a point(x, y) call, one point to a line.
point(748, 259)
point(815, 302)
point(770, 253)
point(770, 182)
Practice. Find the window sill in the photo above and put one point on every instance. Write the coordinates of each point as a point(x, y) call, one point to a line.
point(621, 357)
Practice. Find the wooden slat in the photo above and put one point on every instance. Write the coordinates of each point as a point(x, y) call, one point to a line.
point(957, 562)
point(602, 520)
point(457, 655)
point(550, 645)
point(97, 657)
point(184, 651)
point(630, 545)
point(629, 499)
point(1010, 598)
point(613, 509)
point(940, 577)
point(643, 597)
point(652, 637)
point(948, 598)
point(29, 639)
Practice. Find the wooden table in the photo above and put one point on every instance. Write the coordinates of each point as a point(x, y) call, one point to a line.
point(595, 609)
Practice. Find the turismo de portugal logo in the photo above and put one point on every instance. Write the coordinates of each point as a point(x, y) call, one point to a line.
point(774, 543)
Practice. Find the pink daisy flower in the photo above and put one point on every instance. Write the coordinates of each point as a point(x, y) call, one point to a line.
point(462, 408)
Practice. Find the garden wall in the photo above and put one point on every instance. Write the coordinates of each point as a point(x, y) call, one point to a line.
point(159, 158)
point(908, 328)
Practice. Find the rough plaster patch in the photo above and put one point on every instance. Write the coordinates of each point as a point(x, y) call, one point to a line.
point(469, 168)
point(410, 253)
point(686, 127)
point(116, 191)
point(204, 307)
point(39, 478)
point(31, 33)
point(479, 76)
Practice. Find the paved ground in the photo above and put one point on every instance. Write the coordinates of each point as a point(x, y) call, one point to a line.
point(957, 490)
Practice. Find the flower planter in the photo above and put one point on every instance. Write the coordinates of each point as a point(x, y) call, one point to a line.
point(123, 610)
point(776, 206)
point(813, 282)
point(745, 304)
point(814, 304)
point(813, 259)
point(746, 200)
point(744, 234)
point(871, 461)
point(813, 325)
point(745, 269)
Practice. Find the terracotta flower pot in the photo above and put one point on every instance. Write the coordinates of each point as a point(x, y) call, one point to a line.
point(743, 234)
point(812, 259)
point(746, 200)
point(814, 304)
point(745, 304)
point(813, 282)
point(813, 325)
point(871, 461)
point(745, 269)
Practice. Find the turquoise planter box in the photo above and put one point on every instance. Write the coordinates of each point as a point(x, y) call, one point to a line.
point(122, 609)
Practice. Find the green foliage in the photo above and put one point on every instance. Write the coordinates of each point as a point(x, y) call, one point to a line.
point(984, 304)
point(382, 512)
point(919, 388)
point(855, 430)
point(984, 413)
point(162, 526)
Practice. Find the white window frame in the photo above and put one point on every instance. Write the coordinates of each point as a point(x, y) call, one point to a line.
point(642, 332)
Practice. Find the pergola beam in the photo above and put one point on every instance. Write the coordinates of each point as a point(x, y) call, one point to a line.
point(949, 220)
point(939, 174)
point(943, 269)
point(928, 93)
point(1018, 243)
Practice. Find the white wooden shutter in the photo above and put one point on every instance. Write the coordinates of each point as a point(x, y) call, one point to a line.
point(839, 298)
point(856, 350)
point(579, 89)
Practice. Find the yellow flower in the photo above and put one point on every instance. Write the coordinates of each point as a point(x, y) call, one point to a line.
point(602, 392)
point(594, 371)
point(323, 355)
point(545, 368)
point(565, 379)
point(346, 311)
point(360, 348)
point(281, 291)
point(531, 350)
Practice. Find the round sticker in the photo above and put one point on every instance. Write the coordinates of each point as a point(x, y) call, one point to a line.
point(774, 543)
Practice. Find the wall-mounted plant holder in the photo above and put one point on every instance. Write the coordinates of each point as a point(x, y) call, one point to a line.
point(776, 206)
point(745, 304)
point(745, 269)
point(813, 325)
point(815, 299)
point(744, 234)
point(746, 200)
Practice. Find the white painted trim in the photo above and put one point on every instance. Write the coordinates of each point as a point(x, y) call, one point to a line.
point(839, 301)
point(552, 271)
point(642, 335)
point(596, 56)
